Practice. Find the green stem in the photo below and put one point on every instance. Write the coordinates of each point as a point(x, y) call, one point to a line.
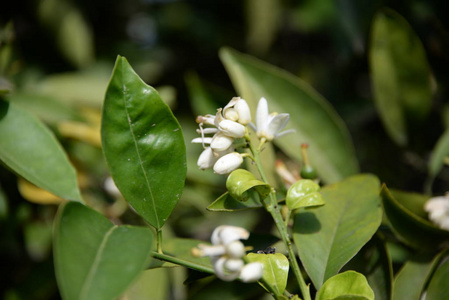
point(182, 262)
point(159, 240)
point(273, 208)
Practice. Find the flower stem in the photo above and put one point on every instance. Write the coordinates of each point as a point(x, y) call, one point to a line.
point(182, 262)
point(159, 240)
point(272, 207)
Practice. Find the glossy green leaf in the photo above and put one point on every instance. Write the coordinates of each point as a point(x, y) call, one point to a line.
point(143, 145)
point(400, 73)
point(436, 161)
point(347, 285)
point(331, 151)
point(304, 193)
point(240, 183)
point(275, 270)
point(438, 287)
point(327, 237)
point(412, 279)
point(32, 151)
point(95, 259)
point(227, 203)
point(410, 228)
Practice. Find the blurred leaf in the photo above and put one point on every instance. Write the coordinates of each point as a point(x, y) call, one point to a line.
point(152, 284)
point(4, 207)
point(226, 203)
point(263, 18)
point(31, 150)
point(314, 15)
point(400, 73)
point(327, 237)
point(275, 270)
point(413, 202)
point(35, 194)
point(412, 279)
point(200, 100)
point(347, 285)
point(38, 237)
point(409, 227)
point(143, 145)
point(241, 183)
point(436, 161)
point(438, 288)
point(330, 152)
point(95, 259)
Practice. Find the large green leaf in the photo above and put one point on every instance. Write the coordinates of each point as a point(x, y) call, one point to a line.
point(400, 73)
point(409, 227)
point(436, 161)
point(412, 279)
point(327, 237)
point(95, 259)
point(32, 151)
point(143, 145)
point(331, 151)
point(152, 284)
point(438, 287)
point(347, 285)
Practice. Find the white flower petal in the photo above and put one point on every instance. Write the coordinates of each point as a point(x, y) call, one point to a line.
point(243, 111)
point(206, 140)
point(228, 163)
point(221, 142)
point(207, 159)
point(220, 271)
point(207, 119)
point(225, 234)
point(251, 272)
point(275, 125)
point(234, 264)
point(216, 250)
point(235, 249)
point(231, 128)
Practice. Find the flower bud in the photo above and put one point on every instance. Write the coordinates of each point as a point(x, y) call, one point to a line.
point(251, 272)
point(234, 264)
point(225, 234)
point(228, 163)
point(206, 159)
point(221, 142)
point(244, 112)
point(235, 249)
point(228, 127)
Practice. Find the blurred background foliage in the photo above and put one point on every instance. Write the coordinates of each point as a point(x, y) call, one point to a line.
point(56, 57)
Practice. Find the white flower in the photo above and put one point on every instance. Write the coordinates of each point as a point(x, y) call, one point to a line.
point(251, 272)
point(269, 126)
point(237, 110)
point(221, 142)
point(228, 127)
point(207, 159)
point(438, 209)
point(228, 163)
point(226, 254)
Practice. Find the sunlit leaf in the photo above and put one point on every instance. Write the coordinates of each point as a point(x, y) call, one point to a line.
point(241, 183)
point(327, 237)
point(31, 150)
point(304, 193)
point(347, 285)
point(410, 228)
point(400, 73)
point(331, 151)
point(95, 259)
point(143, 145)
point(275, 270)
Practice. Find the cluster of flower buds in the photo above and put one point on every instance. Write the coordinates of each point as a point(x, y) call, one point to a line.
point(229, 125)
point(226, 253)
point(438, 209)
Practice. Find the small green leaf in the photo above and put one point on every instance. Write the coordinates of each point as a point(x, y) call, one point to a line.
point(95, 259)
point(436, 161)
point(304, 193)
point(240, 183)
point(438, 287)
point(347, 285)
point(412, 279)
point(32, 151)
point(227, 203)
point(331, 151)
point(401, 74)
point(327, 237)
point(410, 228)
point(275, 270)
point(143, 145)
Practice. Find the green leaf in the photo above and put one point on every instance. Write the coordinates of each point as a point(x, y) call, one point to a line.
point(152, 284)
point(304, 193)
point(31, 150)
point(436, 161)
point(275, 270)
point(143, 145)
point(410, 228)
point(400, 73)
point(327, 237)
point(413, 202)
point(240, 183)
point(227, 203)
point(95, 259)
point(438, 287)
point(331, 151)
point(412, 279)
point(347, 285)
